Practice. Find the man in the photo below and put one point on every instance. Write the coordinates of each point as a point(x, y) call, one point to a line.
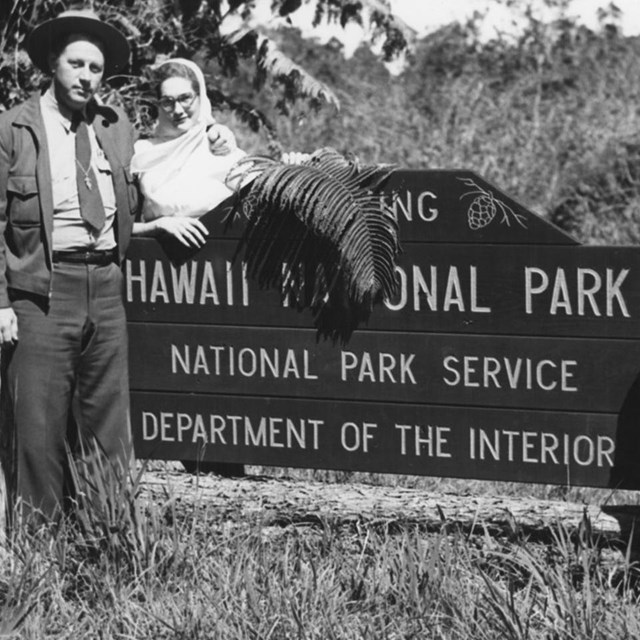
point(67, 203)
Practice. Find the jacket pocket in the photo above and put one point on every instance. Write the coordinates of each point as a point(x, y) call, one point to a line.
point(23, 204)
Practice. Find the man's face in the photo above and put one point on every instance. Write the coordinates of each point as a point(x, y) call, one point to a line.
point(77, 71)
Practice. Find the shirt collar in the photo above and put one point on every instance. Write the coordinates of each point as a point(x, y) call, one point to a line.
point(49, 103)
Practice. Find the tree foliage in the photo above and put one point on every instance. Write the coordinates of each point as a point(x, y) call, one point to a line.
point(549, 114)
point(220, 34)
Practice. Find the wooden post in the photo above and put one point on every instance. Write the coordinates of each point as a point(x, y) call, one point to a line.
point(628, 517)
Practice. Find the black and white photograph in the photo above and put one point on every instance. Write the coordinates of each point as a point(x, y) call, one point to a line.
point(319, 320)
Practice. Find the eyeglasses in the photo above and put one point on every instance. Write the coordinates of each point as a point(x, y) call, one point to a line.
point(168, 103)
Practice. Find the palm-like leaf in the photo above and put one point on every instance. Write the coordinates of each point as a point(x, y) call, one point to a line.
point(325, 218)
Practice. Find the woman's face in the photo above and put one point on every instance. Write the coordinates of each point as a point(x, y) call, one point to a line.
point(178, 105)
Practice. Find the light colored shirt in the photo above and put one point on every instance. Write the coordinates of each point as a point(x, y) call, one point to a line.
point(70, 231)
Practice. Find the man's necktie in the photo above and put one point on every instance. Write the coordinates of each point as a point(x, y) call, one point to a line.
point(91, 208)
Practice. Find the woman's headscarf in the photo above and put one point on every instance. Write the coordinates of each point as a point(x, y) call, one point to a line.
point(179, 175)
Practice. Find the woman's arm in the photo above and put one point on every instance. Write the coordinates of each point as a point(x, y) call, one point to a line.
point(189, 231)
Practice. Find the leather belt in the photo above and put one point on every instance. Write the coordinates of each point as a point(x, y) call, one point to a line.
point(86, 257)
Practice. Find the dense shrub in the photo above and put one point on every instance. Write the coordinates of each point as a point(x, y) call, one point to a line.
point(549, 116)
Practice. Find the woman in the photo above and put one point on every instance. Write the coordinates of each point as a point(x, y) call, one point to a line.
point(182, 169)
point(183, 165)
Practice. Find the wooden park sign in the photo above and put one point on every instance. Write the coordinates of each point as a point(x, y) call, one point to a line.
point(510, 353)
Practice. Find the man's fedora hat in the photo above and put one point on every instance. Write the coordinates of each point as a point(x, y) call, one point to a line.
point(43, 38)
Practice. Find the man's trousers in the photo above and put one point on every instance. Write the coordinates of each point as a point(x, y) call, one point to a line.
point(71, 352)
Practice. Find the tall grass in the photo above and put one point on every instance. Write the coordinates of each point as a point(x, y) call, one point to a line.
point(168, 569)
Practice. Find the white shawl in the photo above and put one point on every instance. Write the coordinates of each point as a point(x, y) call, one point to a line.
point(180, 176)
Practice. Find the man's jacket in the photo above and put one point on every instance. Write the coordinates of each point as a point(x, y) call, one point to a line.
point(26, 199)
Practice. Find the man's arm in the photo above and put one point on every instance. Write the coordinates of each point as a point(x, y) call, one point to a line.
point(8, 319)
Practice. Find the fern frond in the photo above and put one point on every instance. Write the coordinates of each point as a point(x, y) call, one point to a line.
point(326, 218)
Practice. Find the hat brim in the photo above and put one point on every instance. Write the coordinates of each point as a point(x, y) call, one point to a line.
point(42, 39)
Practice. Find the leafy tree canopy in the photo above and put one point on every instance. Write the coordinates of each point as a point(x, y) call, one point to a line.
point(219, 34)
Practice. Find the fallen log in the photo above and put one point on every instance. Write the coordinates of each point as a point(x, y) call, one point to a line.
point(278, 501)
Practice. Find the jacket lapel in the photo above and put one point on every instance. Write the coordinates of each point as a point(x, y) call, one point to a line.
point(103, 125)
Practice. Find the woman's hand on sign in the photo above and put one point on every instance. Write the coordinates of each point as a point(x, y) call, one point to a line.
point(221, 140)
point(189, 231)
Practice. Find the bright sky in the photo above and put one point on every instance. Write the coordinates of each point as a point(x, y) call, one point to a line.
point(427, 15)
